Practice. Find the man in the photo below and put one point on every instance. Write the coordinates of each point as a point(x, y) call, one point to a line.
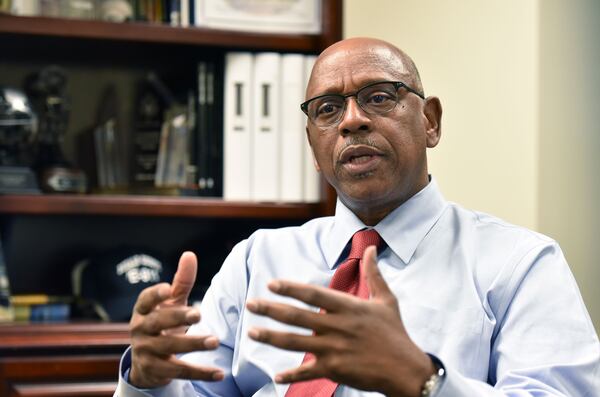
point(454, 303)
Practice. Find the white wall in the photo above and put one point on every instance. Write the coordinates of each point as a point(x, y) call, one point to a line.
point(480, 58)
point(520, 89)
point(569, 205)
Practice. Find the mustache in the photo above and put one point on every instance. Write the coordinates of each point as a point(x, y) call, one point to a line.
point(354, 140)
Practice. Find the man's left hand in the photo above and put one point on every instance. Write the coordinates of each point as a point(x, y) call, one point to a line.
point(356, 342)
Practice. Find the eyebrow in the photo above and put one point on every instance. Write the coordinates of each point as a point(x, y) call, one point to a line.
point(362, 85)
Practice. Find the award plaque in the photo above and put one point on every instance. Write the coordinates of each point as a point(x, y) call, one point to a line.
point(265, 16)
point(149, 109)
point(48, 91)
point(18, 126)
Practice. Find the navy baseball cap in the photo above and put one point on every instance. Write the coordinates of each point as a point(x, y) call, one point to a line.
point(112, 281)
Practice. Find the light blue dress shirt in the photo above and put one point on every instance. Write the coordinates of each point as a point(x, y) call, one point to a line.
point(496, 303)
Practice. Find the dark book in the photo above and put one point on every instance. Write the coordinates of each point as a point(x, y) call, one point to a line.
point(215, 127)
point(209, 129)
point(202, 133)
point(192, 10)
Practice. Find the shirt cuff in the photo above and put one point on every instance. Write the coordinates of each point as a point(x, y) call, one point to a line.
point(456, 385)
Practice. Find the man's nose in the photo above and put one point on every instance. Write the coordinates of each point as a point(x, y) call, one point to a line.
point(354, 118)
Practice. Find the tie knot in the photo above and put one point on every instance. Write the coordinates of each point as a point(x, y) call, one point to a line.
point(361, 240)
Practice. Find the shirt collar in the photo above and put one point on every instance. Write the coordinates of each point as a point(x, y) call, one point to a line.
point(402, 229)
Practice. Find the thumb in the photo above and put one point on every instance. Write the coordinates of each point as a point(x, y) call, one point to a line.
point(375, 281)
point(184, 278)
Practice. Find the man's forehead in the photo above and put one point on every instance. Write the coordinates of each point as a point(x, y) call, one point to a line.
point(377, 53)
point(352, 65)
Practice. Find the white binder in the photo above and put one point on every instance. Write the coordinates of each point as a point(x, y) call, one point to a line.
point(237, 119)
point(292, 127)
point(312, 179)
point(265, 131)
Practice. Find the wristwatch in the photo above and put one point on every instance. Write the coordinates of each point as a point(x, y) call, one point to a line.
point(433, 384)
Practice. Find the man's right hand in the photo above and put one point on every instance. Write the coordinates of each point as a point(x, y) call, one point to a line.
point(157, 327)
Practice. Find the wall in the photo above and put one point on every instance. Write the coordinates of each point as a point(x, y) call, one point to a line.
point(479, 59)
point(569, 205)
point(520, 92)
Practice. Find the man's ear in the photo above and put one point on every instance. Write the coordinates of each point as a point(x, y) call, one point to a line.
point(433, 120)
point(312, 151)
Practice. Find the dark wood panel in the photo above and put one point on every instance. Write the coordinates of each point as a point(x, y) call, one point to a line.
point(55, 360)
point(91, 389)
point(153, 206)
point(20, 336)
point(332, 14)
point(44, 368)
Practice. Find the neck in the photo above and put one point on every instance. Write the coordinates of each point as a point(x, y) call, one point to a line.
point(371, 212)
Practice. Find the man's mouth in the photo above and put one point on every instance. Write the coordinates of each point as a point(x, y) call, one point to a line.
point(360, 159)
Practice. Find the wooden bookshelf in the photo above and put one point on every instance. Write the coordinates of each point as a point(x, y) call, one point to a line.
point(158, 33)
point(44, 235)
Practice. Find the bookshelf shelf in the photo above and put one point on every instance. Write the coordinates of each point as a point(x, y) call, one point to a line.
point(17, 336)
point(157, 206)
point(156, 33)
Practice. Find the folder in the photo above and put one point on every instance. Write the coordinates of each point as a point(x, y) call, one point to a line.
point(265, 132)
point(312, 179)
point(292, 127)
point(237, 123)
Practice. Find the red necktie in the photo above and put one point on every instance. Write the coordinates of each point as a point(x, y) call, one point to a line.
point(348, 278)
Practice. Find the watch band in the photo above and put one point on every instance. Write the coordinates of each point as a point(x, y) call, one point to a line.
point(434, 382)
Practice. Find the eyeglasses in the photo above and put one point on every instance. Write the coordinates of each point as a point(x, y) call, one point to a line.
point(376, 98)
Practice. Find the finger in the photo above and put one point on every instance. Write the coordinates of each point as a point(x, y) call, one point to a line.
point(195, 372)
point(174, 368)
point(375, 281)
point(287, 314)
point(288, 341)
point(184, 278)
point(165, 345)
point(326, 298)
point(151, 297)
point(307, 371)
point(165, 318)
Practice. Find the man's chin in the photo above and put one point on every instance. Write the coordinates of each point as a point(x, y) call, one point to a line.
point(370, 192)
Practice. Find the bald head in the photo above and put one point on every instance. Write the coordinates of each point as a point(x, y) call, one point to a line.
point(361, 53)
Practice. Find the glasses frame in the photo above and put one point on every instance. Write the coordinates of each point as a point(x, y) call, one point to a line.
point(397, 86)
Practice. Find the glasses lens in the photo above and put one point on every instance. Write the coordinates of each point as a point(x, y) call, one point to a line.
point(378, 98)
point(326, 110)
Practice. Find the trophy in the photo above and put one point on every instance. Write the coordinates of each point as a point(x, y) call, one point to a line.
point(47, 90)
point(18, 126)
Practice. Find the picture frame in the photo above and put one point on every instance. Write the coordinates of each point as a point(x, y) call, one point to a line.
point(262, 16)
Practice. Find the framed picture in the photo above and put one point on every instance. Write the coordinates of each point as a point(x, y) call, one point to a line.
point(266, 16)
